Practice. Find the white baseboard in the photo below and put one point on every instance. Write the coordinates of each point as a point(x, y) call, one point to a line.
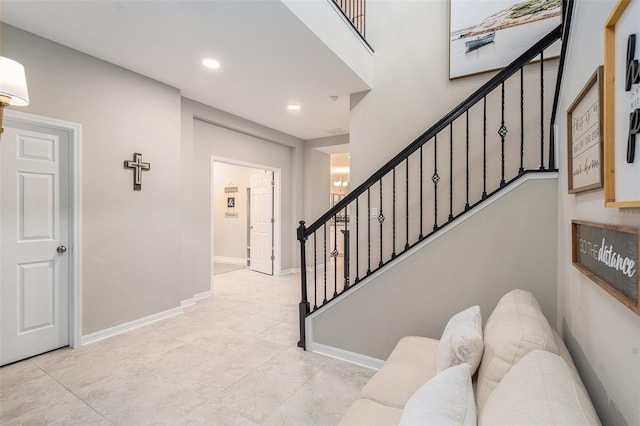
point(196, 297)
point(231, 260)
point(341, 354)
point(132, 325)
point(290, 271)
point(202, 296)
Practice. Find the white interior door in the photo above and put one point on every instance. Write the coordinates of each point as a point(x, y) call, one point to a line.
point(34, 231)
point(261, 228)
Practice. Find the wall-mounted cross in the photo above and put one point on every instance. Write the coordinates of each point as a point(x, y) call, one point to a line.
point(137, 166)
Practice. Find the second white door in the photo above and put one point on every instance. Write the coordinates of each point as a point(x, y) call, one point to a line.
point(261, 226)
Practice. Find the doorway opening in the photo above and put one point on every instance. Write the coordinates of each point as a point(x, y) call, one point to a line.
point(244, 217)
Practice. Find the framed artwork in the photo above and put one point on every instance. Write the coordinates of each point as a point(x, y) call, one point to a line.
point(608, 255)
point(488, 35)
point(584, 118)
point(622, 106)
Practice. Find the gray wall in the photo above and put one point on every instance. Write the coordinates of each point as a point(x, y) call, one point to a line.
point(601, 333)
point(129, 267)
point(508, 244)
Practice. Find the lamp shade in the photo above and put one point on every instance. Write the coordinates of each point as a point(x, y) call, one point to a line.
point(13, 83)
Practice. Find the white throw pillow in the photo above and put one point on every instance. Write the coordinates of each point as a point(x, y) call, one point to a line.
point(445, 400)
point(461, 340)
point(516, 327)
point(539, 390)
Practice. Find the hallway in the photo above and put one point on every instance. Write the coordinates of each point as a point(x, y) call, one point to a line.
point(229, 360)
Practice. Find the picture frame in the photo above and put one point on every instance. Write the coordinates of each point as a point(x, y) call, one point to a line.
point(585, 135)
point(608, 255)
point(621, 188)
point(486, 36)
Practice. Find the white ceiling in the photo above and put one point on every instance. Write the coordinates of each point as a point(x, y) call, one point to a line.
point(268, 57)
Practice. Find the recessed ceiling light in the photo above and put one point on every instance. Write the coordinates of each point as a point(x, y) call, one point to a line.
point(211, 63)
point(293, 107)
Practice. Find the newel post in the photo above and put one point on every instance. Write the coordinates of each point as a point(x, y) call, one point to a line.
point(304, 303)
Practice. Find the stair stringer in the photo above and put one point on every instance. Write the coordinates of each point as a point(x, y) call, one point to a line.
point(507, 242)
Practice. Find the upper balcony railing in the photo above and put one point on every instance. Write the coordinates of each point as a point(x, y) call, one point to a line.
point(355, 12)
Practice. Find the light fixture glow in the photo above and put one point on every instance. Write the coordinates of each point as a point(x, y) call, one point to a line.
point(13, 85)
point(340, 170)
point(293, 107)
point(211, 63)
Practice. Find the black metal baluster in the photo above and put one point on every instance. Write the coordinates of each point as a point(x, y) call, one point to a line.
point(325, 263)
point(368, 230)
point(450, 171)
point(315, 272)
point(421, 236)
point(484, 149)
point(393, 217)
point(542, 110)
point(357, 242)
point(335, 254)
point(346, 253)
point(502, 132)
point(381, 220)
point(521, 170)
point(466, 205)
point(435, 179)
point(406, 229)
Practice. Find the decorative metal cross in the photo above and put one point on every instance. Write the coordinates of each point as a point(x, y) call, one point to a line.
point(137, 166)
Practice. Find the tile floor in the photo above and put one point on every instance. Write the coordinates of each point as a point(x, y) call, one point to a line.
point(229, 360)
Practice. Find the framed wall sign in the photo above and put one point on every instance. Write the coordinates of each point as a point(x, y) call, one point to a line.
point(608, 254)
point(584, 118)
point(488, 35)
point(622, 106)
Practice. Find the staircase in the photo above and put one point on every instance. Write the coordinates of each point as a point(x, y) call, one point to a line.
point(483, 146)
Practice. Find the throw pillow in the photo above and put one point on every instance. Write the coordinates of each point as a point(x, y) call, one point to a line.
point(461, 340)
point(540, 389)
point(445, 400)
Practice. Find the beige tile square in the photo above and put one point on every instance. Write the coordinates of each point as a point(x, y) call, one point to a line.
point(141, 398)
point(258, 395)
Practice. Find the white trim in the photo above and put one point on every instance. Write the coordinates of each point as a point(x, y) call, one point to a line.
point(201, 296)
point(290, 271)
point(231, 260)
point(277, 213)
point(341, 354)
point(188, 302)
point(449, 227)
point(128, 326)
point(337, 353)
point(195, 299)
point(74, 131)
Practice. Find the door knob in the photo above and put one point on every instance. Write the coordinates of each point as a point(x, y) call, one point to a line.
point(61, 249)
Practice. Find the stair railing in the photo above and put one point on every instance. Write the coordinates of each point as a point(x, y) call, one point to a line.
point(417, 193)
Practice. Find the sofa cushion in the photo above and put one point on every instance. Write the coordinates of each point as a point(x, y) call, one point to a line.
point(539, 390)
point(366, 412)
point(461, 340)
point(445, 400)
point(410, 365)
point(516, 327)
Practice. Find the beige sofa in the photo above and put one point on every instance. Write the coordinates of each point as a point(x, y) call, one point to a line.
point(525, 377)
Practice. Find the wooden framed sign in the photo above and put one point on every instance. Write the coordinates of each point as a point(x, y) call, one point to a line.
point(622, 106)
point(608, 254)
point(584, 118)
